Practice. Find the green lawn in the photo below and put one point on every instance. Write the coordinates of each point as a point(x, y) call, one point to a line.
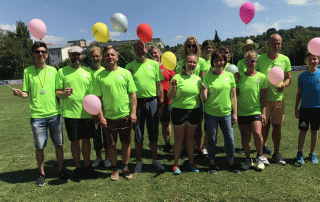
point(19, 170)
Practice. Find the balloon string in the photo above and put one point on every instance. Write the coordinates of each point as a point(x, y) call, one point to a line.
point(8, 86)
point(122, 57)
point(59, 68)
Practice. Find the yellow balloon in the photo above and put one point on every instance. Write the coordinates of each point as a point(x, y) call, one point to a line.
point(101, 32)
point(169, 60)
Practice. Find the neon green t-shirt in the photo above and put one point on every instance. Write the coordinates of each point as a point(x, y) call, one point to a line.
point(94, 75)
point(81, 82)
point(201, 66)
point(145, 76)
point(41, 105)
point(265, 64)
point(218, 101)
point(114, 87)
point(249, 99)
point(188, 90)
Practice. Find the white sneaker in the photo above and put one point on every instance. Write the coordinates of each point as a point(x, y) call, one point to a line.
point(107, 163)
point(205, 151)
point(96, 162)
point(265, 160)
point(278, 159)
point(247, 164)
point(138, 167)
point(158, 165)
point(260, 164)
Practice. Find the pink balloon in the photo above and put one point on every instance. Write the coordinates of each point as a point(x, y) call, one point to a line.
point(247, 12)
point(37, 29)
point(314, 46)
point(276, 75)
point(92, 104)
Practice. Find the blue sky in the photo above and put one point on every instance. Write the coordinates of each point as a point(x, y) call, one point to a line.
point(171, 20)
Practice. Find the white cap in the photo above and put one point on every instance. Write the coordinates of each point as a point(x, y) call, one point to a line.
point(75, 49)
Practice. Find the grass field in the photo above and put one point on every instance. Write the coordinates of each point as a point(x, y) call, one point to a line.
point(18, 169)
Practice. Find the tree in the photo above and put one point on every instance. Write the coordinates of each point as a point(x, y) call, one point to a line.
point(217, 40)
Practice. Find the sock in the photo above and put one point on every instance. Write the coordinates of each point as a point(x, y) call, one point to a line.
point(125, 167)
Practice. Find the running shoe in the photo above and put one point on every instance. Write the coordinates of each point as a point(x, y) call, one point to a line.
point(126, 174)
point(114, 176)
point(266, 150)
point(40, 182)
point(138, 167)
point(158, 165)
point(176, 169)
point(233, 168)
point(63, 176)
point(300, 157)
point(167, 148)
point(260, 164)
point(212, 169)
point(278, 159)
point(313, 158)
point(193, 167)
point(265, 160)
point(96, 162)
point(107, 163)
point(247, 164)
point(205, 151)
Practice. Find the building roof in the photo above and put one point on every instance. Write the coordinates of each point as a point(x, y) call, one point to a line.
point(58, 46)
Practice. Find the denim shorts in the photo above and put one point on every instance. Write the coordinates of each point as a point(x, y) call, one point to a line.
point(40, 130)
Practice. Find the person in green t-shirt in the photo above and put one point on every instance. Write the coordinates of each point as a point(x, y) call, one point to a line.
point(73, 83)
point(275, 94)
point(95, 57)
point(252, 94)
point(248, 45)
point(39, 85)
point(186, 113)
point(206, 50)
point(147, 77)
point(116, 89)
point(218, 109)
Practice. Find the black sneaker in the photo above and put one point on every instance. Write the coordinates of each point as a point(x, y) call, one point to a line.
point(63, 176)
point(77, 174)
point(266, 150)
point(89, 172)
point(40, 182)
point(167, 148)
point(233, 168)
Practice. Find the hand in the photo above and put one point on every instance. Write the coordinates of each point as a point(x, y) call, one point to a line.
point(68, 91)
point(203, 87)
point(174, 83)
point(103, 122)
point(234, 118)
point(280, 88)
point(297, 113)
point(17, 92)
point(133, 118)
point(263, 119)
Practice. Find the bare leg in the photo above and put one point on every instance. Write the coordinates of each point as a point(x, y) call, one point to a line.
point(166, 131)
point(301, 139)
point(178, 139)
point(190, 132)
point(125, 152)
point(75, 150)
point(113, 154)
point(59, 156)
point(86, 151)
point(139, 147)
point(245, 130)
point(276, 137)
point(314, 140)
point(258, 140)
point(265, 133)
point(154, 150)
point(40, 160)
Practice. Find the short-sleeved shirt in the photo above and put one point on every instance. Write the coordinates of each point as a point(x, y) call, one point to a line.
point(310, 84)
point(219, 87)
point(94, 75)
point(201, 66)
point(41, 105)
point(188, 90)
point(249, 99)
point(115, 88)
point(264, 64)
point(145, 76)
point(167, 75)
point(82, 83)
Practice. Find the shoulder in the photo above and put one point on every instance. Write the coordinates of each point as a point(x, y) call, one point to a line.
point(283, 57)
point(202, 60)
point(264, 56)
point(131, 64)
point(51, 68)
point(28, 69)
point(152, 62)
point(86, 69)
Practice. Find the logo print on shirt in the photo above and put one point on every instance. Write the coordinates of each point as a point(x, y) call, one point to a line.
point(51, 74)
point(149, 67)
point(85, 75)
point(257, 81)
point(281, 65)
point(120, 77)
point(226, 79)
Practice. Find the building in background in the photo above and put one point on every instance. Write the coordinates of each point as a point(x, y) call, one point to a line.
point(156, 41)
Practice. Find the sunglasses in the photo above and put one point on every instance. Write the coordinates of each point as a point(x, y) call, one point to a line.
point(39, 51)
point(250, 61)
point(191, 46)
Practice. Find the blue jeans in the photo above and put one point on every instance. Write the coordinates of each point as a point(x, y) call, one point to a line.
point(147, 112)
point(40, 131)
point(227, 130)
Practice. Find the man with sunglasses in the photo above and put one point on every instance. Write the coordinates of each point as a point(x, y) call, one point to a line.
point(275, 95)
point(39, 85)
point(147, 76)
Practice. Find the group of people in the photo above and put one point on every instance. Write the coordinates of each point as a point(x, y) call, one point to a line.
point(145, 91)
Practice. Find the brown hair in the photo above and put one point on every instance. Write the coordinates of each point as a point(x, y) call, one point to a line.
point(185, 51)
point(185, 60)
point(106, 48)
point(38, 44)
point(218, 54)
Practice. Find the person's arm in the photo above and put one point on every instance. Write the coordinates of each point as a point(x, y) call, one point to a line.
point(235, 106)
point(286, 83)
point(298, 99)
point(203, 93)
point(173, 89)
point(133, 115)
point(263, 97)
point(19, 93)
point(202, 74)
point(160, 93)
point(64, 94)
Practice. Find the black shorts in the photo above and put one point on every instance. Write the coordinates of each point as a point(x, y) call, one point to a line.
point(123, 126)
point(78, 129)
point(166, 113)
point(249, 119)
point(309, 116)
point(180, 116)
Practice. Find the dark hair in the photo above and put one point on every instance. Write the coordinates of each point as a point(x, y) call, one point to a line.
point(218, 54)
point(207, 43)
point(38, 44)
point(308, 54)
point(224, 49)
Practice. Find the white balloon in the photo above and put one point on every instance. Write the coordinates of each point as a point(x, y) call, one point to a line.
point(119, 22)
point(232, 68)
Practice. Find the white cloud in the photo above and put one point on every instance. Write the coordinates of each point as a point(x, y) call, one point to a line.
point(8, 27)
point(114, 36)
point(178, 38)
point(259, 28)
point(297, 2)
point(259, 7)
point(289, 19)
point(234, 3)
point(83, 30)
point(52, 39)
